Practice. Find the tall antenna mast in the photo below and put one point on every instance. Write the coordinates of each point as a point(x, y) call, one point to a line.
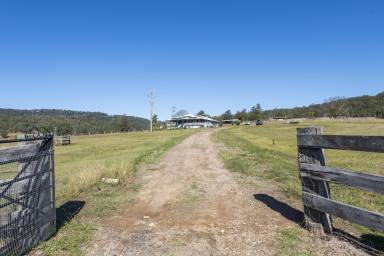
point(151, 99)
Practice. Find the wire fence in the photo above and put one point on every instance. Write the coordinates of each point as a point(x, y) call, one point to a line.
point(27, 194)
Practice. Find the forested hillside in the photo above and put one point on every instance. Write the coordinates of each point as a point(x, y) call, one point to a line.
point(80, 122)
point(67, 121)
point(363, 106)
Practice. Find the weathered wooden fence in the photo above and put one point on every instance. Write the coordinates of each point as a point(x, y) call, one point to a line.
point(315, 177)
point(63, 140)
point(27, 194)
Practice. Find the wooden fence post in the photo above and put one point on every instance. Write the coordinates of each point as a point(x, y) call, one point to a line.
point(314, 220)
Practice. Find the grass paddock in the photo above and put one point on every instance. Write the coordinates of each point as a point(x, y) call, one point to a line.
point(270, 151)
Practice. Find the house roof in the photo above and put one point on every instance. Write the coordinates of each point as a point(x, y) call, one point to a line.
point(192, 116)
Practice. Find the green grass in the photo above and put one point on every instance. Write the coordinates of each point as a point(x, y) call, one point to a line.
point(80, 168)
point(289, 243)
point(270, 152)
point(70, 240)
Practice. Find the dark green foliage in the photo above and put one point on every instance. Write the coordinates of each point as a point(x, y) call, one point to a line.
point(122, 123)
point(67, 122)
point(182, 112)
point(241, 115)
point(256, 113)
point(156, 122)
point(63, 127)
point(201, 113)
point(4, 134)
point(59, 127)
point(311, 115)
point(364, 106)
point(227, 115)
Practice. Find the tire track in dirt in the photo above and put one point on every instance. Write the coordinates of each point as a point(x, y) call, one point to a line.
point(192, 205)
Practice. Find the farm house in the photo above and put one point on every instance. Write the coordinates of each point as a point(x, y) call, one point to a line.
point(191, 121)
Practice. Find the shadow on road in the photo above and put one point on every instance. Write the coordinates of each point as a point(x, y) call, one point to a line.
point(67, 212)
point(284, 209)
point(371, 244)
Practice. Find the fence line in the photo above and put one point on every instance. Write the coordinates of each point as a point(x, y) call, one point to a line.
point(315, 177)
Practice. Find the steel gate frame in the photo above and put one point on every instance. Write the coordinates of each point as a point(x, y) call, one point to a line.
point(27, 201)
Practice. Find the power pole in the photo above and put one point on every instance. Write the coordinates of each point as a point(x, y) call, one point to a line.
point(151, 99)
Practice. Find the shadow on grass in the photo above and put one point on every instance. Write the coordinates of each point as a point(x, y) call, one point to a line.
point(371, 244)
point(67, 212)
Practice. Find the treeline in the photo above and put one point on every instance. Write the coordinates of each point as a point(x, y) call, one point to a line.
point(67, 122)
point(337, 107)
point(363, 106)
point(255, 113)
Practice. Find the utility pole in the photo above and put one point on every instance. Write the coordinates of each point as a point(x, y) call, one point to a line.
point(151, 99)
point(173, 112)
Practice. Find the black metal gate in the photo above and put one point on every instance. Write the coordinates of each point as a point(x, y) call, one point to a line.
point(27, 193)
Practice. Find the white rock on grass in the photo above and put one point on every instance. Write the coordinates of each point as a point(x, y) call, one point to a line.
point(110, 181)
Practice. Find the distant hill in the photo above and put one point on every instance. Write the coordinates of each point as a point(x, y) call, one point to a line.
point(363, 106)
point(67, 121)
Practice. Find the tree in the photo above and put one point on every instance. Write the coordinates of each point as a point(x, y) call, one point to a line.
point(227, 115)
point(241, 115)
point(122, 123)
point(155, 121)
point(63, 128)
point(4, 134)
point(311, 115)
point(181, 113)
point(202, 113)
point(337, 106)
point(255, 113)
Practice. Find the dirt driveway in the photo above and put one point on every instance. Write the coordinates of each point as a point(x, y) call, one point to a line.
point(192, 205)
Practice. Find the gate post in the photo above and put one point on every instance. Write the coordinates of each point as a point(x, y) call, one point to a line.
point(314, 220)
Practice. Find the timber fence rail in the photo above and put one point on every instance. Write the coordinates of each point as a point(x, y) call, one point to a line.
point(63, 140)
point(315, 178)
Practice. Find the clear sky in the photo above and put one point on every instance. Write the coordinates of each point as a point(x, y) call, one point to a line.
point(195, 54)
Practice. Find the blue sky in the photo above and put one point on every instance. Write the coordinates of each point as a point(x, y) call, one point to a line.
point(195, 54)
